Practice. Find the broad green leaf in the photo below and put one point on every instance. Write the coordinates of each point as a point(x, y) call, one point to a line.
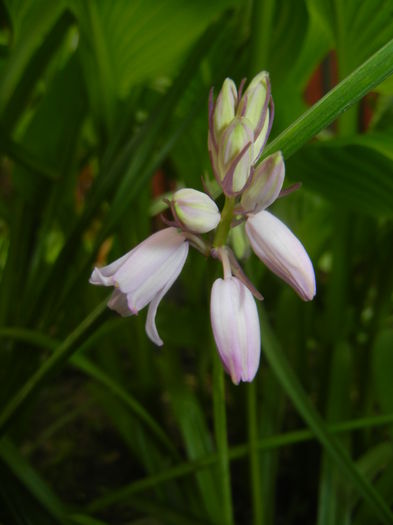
point(352, 176)
point(128, 43)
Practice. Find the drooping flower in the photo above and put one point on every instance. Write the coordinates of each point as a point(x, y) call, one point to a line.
point(235, 324)
point(195, 210)
point(274, 243)
point(144, 275)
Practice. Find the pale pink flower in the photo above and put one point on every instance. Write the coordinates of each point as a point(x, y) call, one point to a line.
point(235, 324)
point(144, 275)
point(276, 246)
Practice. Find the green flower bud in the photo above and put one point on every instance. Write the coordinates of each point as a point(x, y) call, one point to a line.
point(196, 210)
point(254, 106)
point(224, 110)
point(235, 155)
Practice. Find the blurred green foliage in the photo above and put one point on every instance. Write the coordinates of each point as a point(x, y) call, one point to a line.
point(96, 98)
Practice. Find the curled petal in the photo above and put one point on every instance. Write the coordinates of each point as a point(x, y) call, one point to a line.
point(282, 252)
point(104, 276)
point(235, 324)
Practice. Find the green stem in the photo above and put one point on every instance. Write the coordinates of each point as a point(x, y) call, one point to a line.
point(220, 427)
point(224, 226)
point(255, 471)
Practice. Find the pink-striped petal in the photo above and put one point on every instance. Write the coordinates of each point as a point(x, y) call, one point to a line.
point(235, 324)
point(276, 246)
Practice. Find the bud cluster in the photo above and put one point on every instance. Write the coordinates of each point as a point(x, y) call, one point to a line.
point(239, 126)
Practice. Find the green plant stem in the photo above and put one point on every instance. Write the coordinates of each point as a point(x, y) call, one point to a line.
point(255, 467)
point(60, 355)
point(220, 428)
point(224, 226)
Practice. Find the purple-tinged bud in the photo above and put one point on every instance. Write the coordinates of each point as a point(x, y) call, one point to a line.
point(235, 324)
point(266, 184)
point(282, 252)
point(254, 105)
point(235, 156)
point(196, 210)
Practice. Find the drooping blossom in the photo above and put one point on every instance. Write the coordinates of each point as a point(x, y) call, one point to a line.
point(274, 243)
point(235, 324)
point(144, 275)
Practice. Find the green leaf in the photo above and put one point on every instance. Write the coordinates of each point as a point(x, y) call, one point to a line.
point(355, 177)
point(382, 361)
point(333, 104)
point(61, 354)
point(10, 455)
point(45, 30)
point(303, 404)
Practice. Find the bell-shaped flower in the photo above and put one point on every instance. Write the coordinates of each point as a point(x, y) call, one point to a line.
point(235, 156)
point(195, 210)
point(144, 275)
point(236, 331)
point(265, 185)
point(274, 243)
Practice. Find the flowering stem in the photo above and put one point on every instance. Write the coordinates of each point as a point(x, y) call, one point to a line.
point(256, 486)
point(220, 428)
point(225, 223)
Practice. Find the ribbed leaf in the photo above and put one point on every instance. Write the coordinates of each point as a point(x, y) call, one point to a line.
point(355, 177)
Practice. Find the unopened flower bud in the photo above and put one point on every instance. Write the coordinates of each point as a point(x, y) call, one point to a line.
point(235, 156)
point(274, 243)
point(265, 185)
point(224, 109)
point(196, 210)
point(235, 324)
point(254, 106)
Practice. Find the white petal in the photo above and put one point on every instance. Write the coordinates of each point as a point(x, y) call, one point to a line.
point(235, 324)
point(282, 252)
point(151, 329)
point(147, 258)
point(118, 303)
point(104, 276)
point(155, 281)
